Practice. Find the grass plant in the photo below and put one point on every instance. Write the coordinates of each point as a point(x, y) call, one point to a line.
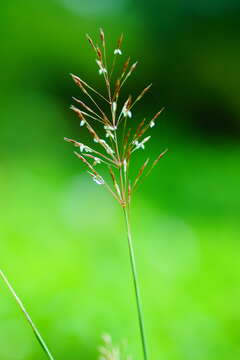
point(124, 137)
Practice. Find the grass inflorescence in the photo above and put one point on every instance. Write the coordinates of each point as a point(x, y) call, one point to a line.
point(123, 136)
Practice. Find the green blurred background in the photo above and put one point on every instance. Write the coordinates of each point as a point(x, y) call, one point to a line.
point(62, 239)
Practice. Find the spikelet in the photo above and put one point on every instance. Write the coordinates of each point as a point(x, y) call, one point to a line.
point(141, 170)
point(125, 66)
point(143, 93)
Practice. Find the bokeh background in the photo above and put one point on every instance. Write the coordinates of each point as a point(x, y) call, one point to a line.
point(62, 240)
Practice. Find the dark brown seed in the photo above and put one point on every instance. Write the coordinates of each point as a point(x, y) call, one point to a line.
point(143, 92)
point(119, 43)
point(91, 42)
point(141, 170)
point(102, 36)
point(125, 66)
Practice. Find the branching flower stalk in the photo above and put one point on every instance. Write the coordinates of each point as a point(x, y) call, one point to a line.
point(123, 137)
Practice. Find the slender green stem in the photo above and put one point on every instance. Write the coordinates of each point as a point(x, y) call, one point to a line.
point(33, 326)
point(136, 284)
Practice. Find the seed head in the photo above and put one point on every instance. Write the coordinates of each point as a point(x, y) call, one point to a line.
point(114, 153)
